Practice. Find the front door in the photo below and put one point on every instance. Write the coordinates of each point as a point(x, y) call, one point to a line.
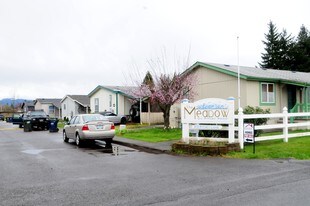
point(291, 95)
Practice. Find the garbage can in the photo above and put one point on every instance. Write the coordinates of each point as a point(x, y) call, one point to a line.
point(27, 126)
point(53, 125)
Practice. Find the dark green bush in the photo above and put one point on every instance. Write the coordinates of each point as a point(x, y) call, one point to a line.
point(247, 110)
point(260, 121)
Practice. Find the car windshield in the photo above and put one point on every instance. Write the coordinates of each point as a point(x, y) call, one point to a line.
point(37, 113)
point(95, 117)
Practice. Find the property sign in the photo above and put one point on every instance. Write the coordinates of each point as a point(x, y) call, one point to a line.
point(248, 133)
point(205, 127)
point(208, 111)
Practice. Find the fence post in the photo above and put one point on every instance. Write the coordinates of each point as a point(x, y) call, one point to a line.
point(240, 127)
point(185, 132)
point(285, 124)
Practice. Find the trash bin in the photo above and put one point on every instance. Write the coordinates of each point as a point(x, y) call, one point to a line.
point(27, 126)
point(53, 125)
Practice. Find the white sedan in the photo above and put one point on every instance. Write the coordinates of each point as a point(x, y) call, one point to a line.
point(89, 127)
point(116, 119)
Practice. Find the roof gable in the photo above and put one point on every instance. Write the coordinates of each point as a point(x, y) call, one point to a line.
point(124, 90)
point(55, 102)
point(83, 100)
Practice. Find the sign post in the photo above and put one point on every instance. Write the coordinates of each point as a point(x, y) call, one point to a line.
point(248, 134)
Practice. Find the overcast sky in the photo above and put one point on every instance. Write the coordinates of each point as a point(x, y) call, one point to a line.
point(50, 48)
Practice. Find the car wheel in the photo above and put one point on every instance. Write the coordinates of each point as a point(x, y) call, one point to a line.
point(78, 141)
point(123, 120)
point(20, 125)
point(108, 143)
point(65, 138)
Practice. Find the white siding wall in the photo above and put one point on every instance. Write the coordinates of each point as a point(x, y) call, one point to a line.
point(121, 104)
point(124, 105)
point(71, 108)
point(103, 95)
point(127, 106)
point(104, 98)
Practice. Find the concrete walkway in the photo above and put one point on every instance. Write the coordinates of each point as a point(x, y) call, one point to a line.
point(158, 148)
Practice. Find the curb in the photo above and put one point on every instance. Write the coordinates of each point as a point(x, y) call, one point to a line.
point(142, 147)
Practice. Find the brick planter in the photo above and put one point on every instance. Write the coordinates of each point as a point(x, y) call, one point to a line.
point(197, 149)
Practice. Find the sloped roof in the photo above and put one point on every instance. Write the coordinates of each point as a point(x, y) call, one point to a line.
point(83, 100)
point(55, 102)
point(124, 90)
point(28, 103)
point(259, 74)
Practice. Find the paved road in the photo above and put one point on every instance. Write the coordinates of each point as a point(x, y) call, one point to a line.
point(37, 168)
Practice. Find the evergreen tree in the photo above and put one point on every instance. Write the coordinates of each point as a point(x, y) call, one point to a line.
point(148, 80)
point(285, 52)
point(270, 59)
point(302, 51)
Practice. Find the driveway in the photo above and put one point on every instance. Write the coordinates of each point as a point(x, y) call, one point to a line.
point(37, 168)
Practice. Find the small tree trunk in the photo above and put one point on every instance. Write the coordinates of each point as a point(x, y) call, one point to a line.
point(167, 117)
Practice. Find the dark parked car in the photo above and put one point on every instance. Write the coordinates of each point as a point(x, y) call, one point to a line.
point(38, 119)
point(17, 119)
point(1, 117)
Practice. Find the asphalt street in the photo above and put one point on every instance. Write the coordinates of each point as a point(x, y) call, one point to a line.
point(38, 168)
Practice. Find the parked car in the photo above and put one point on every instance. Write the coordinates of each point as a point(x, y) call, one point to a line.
point(89, 127)
point(38, 119)
point(2, 117)
point(17, 119)
point(116, 119)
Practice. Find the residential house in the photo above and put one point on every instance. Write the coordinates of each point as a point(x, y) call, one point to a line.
point(51, 107)
point(27, 105)
point(266, 88)
point(74, 104)
point(117, 99)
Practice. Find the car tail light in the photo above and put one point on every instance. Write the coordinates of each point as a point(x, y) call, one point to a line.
point(112, 126)
point(85, 127)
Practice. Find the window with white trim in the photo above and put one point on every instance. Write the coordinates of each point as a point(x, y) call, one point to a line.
point(96, 105)
point(110, 100)
point(267, 93)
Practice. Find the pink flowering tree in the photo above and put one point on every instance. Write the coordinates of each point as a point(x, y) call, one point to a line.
point(166, 90)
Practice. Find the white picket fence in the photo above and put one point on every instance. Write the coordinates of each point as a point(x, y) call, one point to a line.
point(285, 125)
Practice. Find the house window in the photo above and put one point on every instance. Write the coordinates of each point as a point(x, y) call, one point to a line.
point(110, 100)
point(96, 105)
point(64, 106)
point(51, 109)
point(267, 93)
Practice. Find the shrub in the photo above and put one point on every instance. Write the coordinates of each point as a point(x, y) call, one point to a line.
point(260, 121)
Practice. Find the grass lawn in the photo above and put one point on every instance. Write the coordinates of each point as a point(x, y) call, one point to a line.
point(134, 126)
point(298, 148)
point(61, 124)
point(151, 135)
point(280, 132)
